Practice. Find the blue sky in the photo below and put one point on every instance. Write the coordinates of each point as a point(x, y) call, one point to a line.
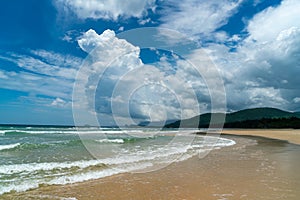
point(253, 47)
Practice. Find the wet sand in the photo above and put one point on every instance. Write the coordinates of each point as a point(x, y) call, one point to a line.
point(255, 168)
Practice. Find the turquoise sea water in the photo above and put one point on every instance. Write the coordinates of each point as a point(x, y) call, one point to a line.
point(31, 156)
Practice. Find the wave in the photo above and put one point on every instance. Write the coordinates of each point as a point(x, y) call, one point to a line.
point(57, 173)
point(50, 166)
point(33, 146)
point(123, 140)
point(210, 142)
point(118, 141)
point(87, 131)
point(14, 132)
point(9, 146)
point(111, 161)
point(63, 179)
point(21, 177)
point(24, 146)
point(18, 132)
point(83, 170)
point(32, 130)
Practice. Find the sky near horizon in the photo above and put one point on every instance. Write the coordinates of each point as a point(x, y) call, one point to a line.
point(253, 45)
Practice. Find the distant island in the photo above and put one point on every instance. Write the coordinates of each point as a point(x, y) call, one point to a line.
point(249, 118)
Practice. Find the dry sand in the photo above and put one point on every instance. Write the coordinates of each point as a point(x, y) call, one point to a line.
point(290, 135)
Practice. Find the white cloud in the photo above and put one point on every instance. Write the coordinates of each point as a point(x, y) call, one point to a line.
point(70, 36)
point(58, 102)
point(262, 71)
point(37, 84)
point(270, 23)
point(67, 38)
point(35, 100)
point(44, 73)
point(103, 50)
point(144, 21)
point(3, 75)
point(194, 18)
point(296, 99)
point(114, 75)
point(169, 37)
point(38, 66)
point(113, 9)
point(206, 78)
point(47, 63)
point(266, 96)
point(57, 59)
point(106, 43)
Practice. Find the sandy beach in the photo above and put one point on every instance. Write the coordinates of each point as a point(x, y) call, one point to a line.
point(254, 168)
point(290, 135)
point(150, 99)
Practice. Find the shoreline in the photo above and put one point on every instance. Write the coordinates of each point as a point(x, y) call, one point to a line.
point(290, 135)
point(246, 170)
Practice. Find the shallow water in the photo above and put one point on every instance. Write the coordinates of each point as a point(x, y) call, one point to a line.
point(253, 168)
point(34, 156)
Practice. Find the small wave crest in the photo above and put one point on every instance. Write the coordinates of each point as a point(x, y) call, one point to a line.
point(33, 167)
point(118, 141)
point(9, 146)
point(137, 154)
point(66, 131)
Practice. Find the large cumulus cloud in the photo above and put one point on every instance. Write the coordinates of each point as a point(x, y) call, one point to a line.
point(263, 69)
point(115, 81)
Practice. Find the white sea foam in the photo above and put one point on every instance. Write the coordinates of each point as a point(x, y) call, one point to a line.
point(67, 179)
point(8, 146)
point(139, 156)
point(31, 167)
point(136, 157)
point(83, 131)
point(51, 197)
point(36, 131)
point(122, 158)
point(2, 132)
point(26, 185)
point(119, 141)
point(62, 180)
point(87, 131)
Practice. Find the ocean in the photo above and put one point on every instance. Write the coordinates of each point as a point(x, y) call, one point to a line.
point(34, 156)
